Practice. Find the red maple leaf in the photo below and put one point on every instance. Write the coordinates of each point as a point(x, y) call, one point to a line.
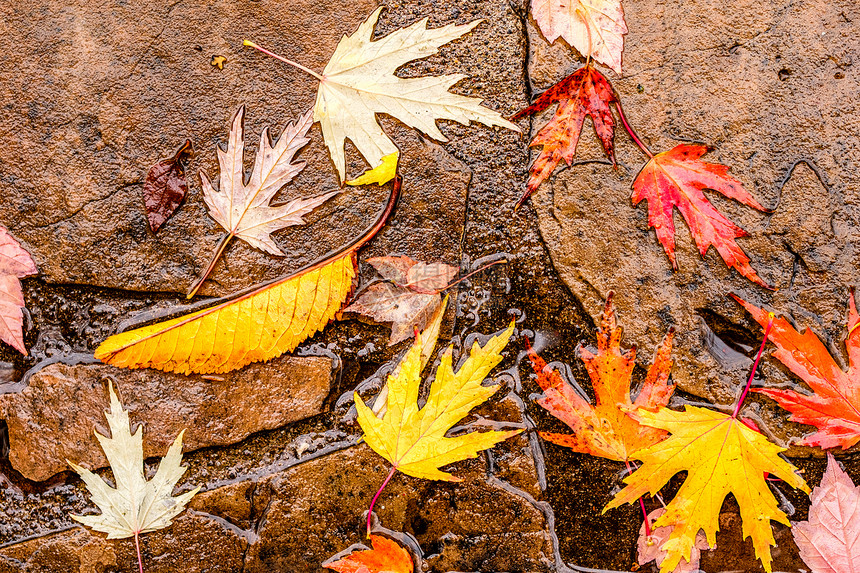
point(585, 92)
point(834, 405)
point(677, 178)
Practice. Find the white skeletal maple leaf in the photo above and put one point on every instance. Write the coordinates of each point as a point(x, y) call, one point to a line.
point(359, 82)
point(243, 208)
point(135, 505)
point(595, 26)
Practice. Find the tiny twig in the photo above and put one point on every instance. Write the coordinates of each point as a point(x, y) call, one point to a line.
point(202, 278)
point(283, 59)
point(770, 317)
point(464, 277)
point(375, 497)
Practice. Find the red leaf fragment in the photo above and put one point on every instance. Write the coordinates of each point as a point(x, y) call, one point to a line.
point(829, 541)
point(166, 186)
point(585, 92)
point(386, 557)
point(677, 178)
point(15, 263)
point(834, 405)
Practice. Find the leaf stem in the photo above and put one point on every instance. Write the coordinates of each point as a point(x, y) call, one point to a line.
point(283, 59)
point(137, 546)
point(375, 497)
point(629, 129)
point(464, 277)
point(770, 318)
point(641, 503)
point(587, 29)
point(202, 278)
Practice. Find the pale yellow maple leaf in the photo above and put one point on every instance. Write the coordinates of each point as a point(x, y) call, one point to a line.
point(414, 439)
point(358, 82)
point(134, 505)
point(721, 455)
point(592, 27)
point(243, 208)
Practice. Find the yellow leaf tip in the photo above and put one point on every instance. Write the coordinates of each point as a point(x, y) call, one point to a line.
point(249, 43)
point(381, 174)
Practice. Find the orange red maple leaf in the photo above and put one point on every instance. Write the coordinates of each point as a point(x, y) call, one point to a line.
point(834, 405)
point(585, 92)
point(677, 178)
point(385, 557)
point(605, 429)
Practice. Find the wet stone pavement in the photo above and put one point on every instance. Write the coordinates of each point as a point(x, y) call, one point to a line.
point(93, 96)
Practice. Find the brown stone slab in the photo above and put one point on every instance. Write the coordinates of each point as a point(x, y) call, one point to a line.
point(53, 418)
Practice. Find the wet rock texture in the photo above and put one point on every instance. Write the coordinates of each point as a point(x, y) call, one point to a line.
point(52, 419)
point(295, 519)
point(89, 110)
point(772, 87)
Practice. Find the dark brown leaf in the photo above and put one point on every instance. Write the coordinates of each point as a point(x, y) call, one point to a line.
point(166, 186)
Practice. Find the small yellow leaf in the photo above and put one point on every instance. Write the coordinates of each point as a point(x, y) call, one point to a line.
point(381, 174)
point(414, 440)
point(721, 455)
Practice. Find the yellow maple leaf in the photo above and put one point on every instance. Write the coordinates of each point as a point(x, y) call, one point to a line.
point(721, 455)
point(413, 439)
point(258, 325)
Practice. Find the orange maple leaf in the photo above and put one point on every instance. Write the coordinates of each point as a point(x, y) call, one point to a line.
point(677, 178)
point(585, 92)
point(605, 429)
point(834, 405)
point(385, 557)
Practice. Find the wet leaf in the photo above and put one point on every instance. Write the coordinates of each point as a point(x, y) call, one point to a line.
point(15, 264)
point(649, 546)
point(677, 178)
point(834, 405)
point(606, 429)
point(243, 208)
point(259, 325)
point(165, 186)
point(583, 93)
point(385, 557)
point(413, 439)
point(828, 539)
point(359, 82)
point(592, 27)
point(135, 505)
point(721, 455)
point(411, 301)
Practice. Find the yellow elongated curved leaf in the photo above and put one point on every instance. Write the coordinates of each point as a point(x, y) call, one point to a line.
point(414, 439)
point(253, 328)
point(257, 326)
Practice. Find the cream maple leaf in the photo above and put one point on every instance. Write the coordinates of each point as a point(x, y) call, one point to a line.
point(593, 27)
point(243, 208)
point(358, 82)
point(135, 505)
